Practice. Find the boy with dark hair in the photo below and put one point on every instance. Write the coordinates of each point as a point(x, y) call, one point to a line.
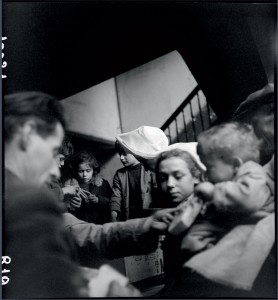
point(132, 188)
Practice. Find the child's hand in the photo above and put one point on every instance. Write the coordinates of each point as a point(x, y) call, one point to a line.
point(83, 194)
point(204, 190)
point(93, 198)
point(114, 216)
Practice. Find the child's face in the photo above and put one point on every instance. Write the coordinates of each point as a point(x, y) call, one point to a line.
point(128, 160)
point(218, 170)
point(85, 173)
point(176, 179)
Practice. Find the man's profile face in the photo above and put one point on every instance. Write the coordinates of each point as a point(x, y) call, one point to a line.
point(41, 155)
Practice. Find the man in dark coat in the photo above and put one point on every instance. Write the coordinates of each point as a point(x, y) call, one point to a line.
point(36, 236)
point(41, 252)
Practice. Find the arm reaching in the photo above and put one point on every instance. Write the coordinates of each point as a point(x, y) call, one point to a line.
point(113, 240)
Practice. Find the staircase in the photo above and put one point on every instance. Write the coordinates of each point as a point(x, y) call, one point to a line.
point(192, 117)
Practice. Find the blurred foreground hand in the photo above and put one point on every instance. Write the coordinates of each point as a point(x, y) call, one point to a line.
point(110, 283)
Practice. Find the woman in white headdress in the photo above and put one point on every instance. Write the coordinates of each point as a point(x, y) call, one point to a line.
point(235, 265)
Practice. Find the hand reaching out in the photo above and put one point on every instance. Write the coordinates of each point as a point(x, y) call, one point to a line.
point(161, 219)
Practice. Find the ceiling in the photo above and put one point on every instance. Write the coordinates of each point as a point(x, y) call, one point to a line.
point(65, 47)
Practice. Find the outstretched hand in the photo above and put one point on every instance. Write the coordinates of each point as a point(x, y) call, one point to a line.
point(161, 219)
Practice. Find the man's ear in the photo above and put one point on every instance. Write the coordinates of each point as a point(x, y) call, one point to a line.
point(26, 131)
point(237, 162)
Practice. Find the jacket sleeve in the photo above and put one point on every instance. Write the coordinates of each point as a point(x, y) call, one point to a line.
point(56, 190)
point(247, 194)
point(106, 193)
point(113, 240)
point(68, 198)
point(117, 196)
point(42, 252)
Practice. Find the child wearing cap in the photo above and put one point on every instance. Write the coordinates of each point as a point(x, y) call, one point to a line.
point(133, 188)
point(145, 143)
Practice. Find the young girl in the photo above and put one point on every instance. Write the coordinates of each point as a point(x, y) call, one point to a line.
point(177, 171)
point(92, 203)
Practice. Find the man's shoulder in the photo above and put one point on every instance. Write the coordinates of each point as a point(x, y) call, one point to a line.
point(27, 198)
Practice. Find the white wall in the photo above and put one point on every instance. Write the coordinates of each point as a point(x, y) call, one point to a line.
point(147, 95)
point(109, 168)
point(150, 93)
point(94, 112)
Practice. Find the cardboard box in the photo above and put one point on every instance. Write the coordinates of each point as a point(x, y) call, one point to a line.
point(140, 267)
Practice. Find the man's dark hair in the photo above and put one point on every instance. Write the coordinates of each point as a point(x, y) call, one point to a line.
point(258, 110)
point(43, 109)
point(67, 147)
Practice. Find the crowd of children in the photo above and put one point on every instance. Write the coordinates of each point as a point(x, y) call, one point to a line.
point(221, 185)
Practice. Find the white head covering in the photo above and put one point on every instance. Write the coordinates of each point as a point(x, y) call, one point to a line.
point(191, 149)
point(147, 143)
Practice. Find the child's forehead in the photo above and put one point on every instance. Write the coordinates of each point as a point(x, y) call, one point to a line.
point(84, 165)
point(121, 151)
